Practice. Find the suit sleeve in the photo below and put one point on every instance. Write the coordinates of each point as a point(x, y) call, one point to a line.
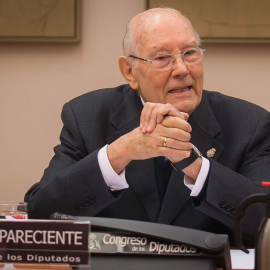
point(227, 188)
point(73, 183)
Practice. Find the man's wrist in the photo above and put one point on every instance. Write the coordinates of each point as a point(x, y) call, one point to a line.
point(195, 153)
point(113, 180)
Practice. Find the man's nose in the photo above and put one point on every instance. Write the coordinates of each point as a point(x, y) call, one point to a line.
point(179, 67)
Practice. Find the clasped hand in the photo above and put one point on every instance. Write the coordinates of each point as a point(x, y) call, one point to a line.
point(168, 129)
point(157, 122)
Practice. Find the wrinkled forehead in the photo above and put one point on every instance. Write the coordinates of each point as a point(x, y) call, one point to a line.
point(158, 26)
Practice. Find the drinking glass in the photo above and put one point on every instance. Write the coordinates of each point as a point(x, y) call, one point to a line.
point(13, 210)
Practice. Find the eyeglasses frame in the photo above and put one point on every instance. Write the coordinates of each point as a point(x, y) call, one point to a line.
point(174, 55)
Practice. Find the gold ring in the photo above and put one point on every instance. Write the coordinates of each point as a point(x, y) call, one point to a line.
point(165, 142)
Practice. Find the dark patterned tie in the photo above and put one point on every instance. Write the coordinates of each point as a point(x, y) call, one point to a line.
point(163, 172)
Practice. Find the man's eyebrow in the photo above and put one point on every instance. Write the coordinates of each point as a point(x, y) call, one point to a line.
point(157, 49)
point(190, 46)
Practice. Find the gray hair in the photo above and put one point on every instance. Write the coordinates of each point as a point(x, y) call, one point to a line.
point(129, 45)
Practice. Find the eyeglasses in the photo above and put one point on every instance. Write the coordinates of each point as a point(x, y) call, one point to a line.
point(192, 56)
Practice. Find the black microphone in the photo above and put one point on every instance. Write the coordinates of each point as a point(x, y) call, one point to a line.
point(59, 216)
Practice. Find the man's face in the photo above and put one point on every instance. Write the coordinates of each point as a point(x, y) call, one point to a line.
point(180, 86)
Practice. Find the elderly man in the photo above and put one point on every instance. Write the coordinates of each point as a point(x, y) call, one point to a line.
point(115, 143)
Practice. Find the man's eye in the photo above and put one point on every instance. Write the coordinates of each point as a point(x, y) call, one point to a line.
point(161, 57)
point(190, 52)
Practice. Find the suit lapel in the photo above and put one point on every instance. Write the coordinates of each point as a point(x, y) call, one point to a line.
point(127, 116)
point(205, 129)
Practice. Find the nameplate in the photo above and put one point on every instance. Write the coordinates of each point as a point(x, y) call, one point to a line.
point(44, 241)
point(121, 243)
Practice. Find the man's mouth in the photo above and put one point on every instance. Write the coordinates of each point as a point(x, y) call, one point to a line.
point(180, 90)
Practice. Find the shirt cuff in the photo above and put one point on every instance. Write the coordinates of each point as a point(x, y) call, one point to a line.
point(113, 180)
point(197, 187)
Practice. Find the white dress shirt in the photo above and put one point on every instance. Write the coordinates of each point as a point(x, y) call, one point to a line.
point(118, 181)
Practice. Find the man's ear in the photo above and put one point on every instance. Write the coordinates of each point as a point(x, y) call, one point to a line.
point(127, 72)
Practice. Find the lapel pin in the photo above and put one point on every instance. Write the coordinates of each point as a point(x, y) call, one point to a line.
point(211, 152)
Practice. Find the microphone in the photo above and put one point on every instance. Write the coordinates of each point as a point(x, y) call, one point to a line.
point(59, 216)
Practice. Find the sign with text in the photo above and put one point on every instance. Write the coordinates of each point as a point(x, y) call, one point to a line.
point(117, 242)
point(34, 241)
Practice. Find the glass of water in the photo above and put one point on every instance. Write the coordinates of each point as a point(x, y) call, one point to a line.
point(13, 210)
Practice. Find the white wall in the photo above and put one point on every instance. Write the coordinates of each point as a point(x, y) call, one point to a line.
point(242, 71)
point(37, 79)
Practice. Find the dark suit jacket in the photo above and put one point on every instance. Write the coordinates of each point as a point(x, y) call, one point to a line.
point(73, 183)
